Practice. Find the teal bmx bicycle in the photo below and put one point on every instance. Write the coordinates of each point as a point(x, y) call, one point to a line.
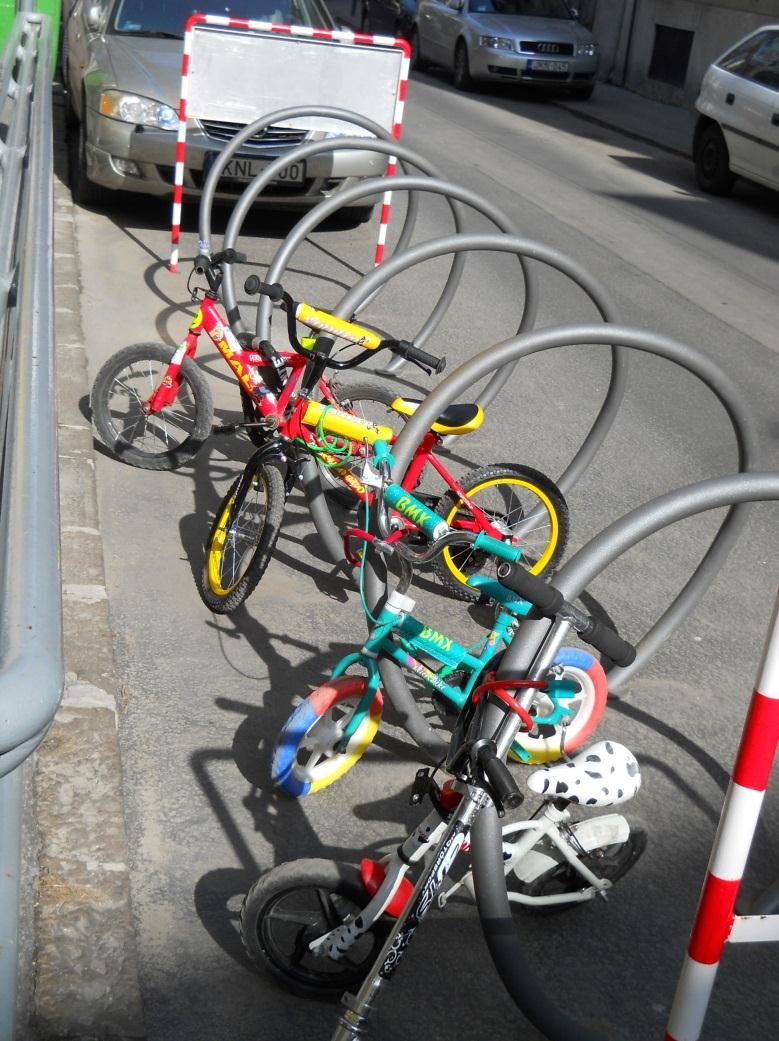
point(329, 730)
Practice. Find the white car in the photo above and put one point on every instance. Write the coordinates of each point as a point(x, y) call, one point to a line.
point(737, 132)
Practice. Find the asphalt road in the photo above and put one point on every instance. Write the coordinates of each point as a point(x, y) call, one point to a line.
point(204, 697)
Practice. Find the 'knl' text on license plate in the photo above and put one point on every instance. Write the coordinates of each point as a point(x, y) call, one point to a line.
point(245, 169)
point(543, 65)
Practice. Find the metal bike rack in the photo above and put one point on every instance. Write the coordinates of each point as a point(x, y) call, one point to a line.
point(261, 180)
point(369, 284)
point(31, 655)
point(372, 283)
point(575, 575)
point(514, 967)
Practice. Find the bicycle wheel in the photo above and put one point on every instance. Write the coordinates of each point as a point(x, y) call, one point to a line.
point(292, 905)
point(527, 508)
point(370, 401)
point(242, 538)
point(304, 759)
point(586, 707)
point(164, 440)
point(610, 862)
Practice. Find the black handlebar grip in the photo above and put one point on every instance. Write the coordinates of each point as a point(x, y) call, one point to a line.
point(547, 599)
point(254, 285)
point(499, 777)
point(430, 360)
point(610, 643)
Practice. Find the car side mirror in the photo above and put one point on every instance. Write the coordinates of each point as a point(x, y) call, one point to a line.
point(94, 18)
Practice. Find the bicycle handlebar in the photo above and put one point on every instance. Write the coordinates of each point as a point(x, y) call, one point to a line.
point(412, 353)
point(503, 787)
point(211, 267)
point(324, 322)
point(551, 603)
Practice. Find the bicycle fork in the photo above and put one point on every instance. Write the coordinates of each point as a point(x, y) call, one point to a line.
point(446, 840)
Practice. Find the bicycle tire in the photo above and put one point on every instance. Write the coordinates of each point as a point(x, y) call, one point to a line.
point(226, 581)
point(308, 888)
point(456, 564)
point(581, 667)
point(610, 862)
point(298, 734)
point(145, 364)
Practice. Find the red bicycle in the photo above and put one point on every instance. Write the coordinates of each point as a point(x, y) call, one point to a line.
point(509, 502)
point(151, 404)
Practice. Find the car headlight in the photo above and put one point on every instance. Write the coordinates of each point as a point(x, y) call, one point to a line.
point(131, 108)
point(499, 43)
point(588, 50)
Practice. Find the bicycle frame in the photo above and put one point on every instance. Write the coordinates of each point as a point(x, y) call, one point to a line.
point(243, 361)
point(443, 840)
point(414, 637)
point(247, 365)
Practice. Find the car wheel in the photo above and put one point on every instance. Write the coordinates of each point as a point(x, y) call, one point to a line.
point(417, 61)
point(462, 70)
point(712, 161)
point(84, 191)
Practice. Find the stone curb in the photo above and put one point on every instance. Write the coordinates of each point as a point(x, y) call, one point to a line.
point(85, 957)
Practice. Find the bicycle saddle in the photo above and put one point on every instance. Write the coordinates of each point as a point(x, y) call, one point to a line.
point(456, 419)
point(605, 774)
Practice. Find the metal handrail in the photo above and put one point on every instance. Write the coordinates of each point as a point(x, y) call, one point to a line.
point(31, 655)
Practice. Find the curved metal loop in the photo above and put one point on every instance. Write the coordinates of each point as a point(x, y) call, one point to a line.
point(388, 146)
point(462, 243)
point(262, 123)
point(534, 251)
point(593, 558)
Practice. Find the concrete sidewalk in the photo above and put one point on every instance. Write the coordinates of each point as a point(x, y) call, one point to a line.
point(666, 126)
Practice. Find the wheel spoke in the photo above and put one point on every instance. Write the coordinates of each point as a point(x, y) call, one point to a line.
point(329, 910)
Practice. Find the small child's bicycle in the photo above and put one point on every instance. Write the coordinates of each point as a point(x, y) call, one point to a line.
point(509, 502)
point(321, 928)
point(331, 729)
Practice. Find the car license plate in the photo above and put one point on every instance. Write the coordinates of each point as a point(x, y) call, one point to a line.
point(543, 65)
point(246, 168)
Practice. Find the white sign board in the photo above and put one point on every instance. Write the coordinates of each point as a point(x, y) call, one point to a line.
point(269, 72)
point(236, 70)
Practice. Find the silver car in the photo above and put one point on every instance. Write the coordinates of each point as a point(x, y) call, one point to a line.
point(536, 42)
point(122, 66)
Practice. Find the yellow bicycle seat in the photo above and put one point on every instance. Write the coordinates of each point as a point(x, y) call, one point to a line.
point(456, 419)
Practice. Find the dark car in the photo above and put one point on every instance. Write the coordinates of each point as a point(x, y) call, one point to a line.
point(388, 17)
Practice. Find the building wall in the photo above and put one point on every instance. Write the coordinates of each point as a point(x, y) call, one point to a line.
point(626, 31)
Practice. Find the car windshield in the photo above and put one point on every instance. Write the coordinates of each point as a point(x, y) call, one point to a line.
point(166, 18)
point(528, 8)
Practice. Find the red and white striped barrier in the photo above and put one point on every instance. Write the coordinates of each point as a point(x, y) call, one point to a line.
point(715, 922)
point(337, 36)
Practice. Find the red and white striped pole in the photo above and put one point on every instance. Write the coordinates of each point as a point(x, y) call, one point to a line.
point(715, 922)
point(346, 36)
point(392, 164)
